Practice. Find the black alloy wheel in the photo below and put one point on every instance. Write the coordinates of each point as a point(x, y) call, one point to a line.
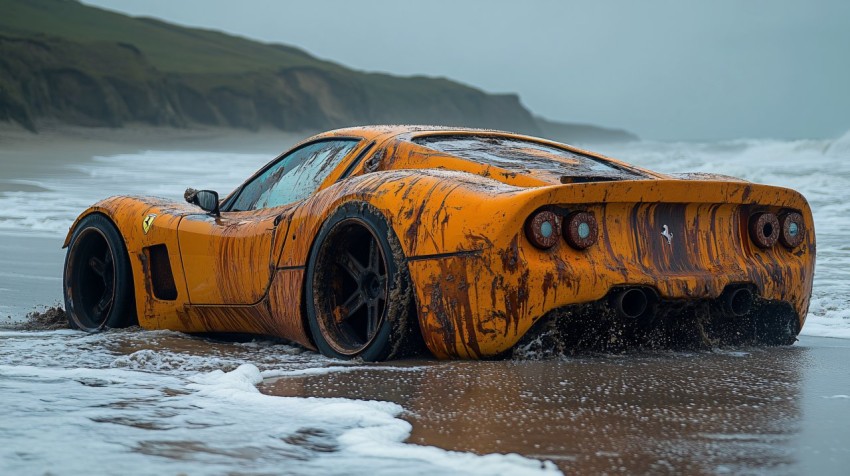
point(98, 284)
point(358, 297)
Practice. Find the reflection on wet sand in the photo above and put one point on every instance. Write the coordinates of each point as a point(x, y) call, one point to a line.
point(659, 413)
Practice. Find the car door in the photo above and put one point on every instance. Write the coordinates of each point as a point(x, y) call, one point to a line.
point(231, 259)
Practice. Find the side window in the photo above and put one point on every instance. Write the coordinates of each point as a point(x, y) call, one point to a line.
point(295, 176)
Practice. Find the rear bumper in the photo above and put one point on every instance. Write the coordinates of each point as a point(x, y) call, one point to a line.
point(478, 305)
point(666, 324)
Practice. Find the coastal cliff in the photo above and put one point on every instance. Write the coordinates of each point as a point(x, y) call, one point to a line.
point(64, 61)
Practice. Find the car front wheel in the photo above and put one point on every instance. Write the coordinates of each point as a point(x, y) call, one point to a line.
point(98, 283)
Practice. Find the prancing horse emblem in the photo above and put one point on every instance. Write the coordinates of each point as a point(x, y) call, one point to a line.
point(147, 222)
point(666, 234)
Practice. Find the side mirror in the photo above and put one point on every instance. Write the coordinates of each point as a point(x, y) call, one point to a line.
point(206, 199)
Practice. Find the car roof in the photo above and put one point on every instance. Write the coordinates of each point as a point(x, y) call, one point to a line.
point(406, 132)
point(375, 131)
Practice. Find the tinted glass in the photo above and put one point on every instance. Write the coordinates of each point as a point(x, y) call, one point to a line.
point(521, 155)
point(295, 176)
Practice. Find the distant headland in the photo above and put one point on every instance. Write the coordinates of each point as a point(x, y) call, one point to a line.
point(64, 61)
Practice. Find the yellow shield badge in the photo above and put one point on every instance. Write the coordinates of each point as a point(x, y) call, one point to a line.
point(147, 222)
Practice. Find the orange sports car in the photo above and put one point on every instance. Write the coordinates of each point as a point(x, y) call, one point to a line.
point(378, 242)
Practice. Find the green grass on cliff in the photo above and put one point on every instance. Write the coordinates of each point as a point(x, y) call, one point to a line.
point(66, 61)
point(169, 48)
point(207, 58)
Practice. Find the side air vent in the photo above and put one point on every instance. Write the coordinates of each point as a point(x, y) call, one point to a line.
point(162, 279)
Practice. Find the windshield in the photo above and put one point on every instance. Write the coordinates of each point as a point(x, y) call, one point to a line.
point(295, 176)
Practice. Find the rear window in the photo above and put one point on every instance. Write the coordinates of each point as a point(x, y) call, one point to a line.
point(522, 155)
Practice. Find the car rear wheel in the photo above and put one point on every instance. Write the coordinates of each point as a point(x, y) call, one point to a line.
point(359, 298)
point(98, 283)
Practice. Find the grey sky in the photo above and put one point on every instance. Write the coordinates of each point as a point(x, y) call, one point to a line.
point(662, 69)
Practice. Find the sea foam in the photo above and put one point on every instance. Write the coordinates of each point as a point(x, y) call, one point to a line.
point(70, 393)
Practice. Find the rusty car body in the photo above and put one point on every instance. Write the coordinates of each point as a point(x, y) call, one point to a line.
point(374, 241)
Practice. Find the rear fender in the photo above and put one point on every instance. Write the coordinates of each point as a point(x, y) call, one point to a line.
point(431, 211)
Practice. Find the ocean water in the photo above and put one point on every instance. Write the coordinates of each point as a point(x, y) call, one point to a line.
point(162, 402)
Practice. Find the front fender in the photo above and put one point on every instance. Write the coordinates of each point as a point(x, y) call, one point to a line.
point(127, 212)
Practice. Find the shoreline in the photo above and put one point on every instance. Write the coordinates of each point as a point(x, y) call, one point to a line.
point(103, 140)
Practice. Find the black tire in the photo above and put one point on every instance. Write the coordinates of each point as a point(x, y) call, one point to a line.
point(98, 282)
point(359, 298)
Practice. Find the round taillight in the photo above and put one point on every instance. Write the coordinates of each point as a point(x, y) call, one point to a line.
point(764, 229)
point(581, 230)
point(543, 228)
point(791, 229)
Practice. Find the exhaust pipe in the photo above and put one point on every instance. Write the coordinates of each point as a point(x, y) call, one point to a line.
point(737, 301)
point(630, 303)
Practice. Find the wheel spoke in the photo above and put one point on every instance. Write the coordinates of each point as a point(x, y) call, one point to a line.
point(108, 285)
point(104, 303)
point(98, 266)
point(350, 264)
point(374, 256)
point(372, 319)
point(351, 305)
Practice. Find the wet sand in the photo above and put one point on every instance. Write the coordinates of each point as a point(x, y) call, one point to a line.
point(776, 410)
point(745, 411)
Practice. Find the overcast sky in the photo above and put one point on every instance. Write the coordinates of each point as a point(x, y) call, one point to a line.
point(682, 69)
